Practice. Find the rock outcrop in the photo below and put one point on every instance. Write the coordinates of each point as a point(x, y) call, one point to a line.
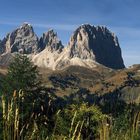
point(22, 40)
point(97, 44)
point(51, 48)
point(51, 41)
point(89, 46)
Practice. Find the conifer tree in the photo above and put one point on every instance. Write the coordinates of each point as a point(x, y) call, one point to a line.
point(22, 75)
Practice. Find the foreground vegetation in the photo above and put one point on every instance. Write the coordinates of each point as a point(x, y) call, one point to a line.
point(30, 112)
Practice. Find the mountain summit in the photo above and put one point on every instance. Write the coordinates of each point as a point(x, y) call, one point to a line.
point(98, 44)
point(23, 39)
point(50, 40)
point(89, 46)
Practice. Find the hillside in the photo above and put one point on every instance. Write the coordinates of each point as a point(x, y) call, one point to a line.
point(100, 81)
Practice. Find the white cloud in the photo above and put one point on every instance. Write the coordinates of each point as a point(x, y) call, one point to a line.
point(9, 23)
point(65, 27)
point(127, 31)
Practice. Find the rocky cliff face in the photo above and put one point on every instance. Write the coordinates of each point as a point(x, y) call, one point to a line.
point(51, 48)
point(22, 40)
point(51, 41)
point(96, 43)
point(89, 46)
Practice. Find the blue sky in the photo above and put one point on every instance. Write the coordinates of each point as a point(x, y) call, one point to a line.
point(121, 16)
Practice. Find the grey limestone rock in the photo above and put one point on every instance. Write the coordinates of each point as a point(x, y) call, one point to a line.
point(22, 40)
point(96, 43)
point(51, 41)
point(89, 46)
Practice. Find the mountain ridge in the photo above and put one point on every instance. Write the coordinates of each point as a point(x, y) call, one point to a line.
point(88, 46)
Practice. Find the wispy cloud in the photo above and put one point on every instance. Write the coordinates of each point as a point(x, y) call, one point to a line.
point(127, 31)
point(64, 27)
point(132, 56)
point(10, 23)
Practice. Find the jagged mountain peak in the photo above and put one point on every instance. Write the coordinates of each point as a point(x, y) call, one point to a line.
point(51, 49)
point(23, 40)
point(26, 29)
point(96, 43)
point(50, 41)
point(91, 30)
point(26, 25)
point(88, 46)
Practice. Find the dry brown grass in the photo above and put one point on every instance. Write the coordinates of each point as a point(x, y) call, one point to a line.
point(3, 70)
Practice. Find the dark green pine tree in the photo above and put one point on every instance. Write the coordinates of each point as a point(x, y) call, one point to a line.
point(22, 75)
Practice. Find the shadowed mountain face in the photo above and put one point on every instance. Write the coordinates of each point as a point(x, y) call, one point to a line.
point(96, 43)
point(89, 46)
